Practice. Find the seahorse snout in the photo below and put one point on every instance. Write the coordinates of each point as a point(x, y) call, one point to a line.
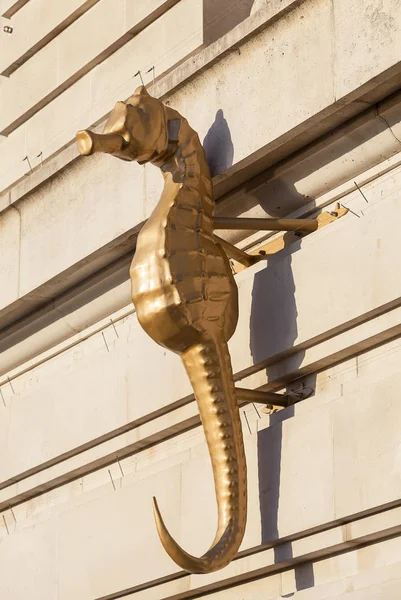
point(89, 142)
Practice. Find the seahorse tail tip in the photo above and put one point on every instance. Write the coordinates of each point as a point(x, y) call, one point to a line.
point(186, 561)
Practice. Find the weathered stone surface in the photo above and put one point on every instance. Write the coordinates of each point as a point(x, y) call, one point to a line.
point(96, 418)
point(74, 53)
point(10, 247)
point(268, 326)
point(48, 19)
point(296, 31)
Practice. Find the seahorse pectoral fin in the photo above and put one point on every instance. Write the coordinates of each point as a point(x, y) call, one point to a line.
point(209, 368)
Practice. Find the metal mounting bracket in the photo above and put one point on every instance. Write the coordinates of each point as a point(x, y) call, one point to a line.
point(285, 225)
point(272, 400)
point(237, 254)
point(307, 225)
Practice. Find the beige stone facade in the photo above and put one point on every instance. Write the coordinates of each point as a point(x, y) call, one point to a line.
point(298, 106)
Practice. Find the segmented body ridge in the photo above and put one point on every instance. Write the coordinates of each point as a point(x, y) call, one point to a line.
point(186, 300)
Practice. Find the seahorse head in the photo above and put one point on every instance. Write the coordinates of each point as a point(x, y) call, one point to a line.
point(136, 130)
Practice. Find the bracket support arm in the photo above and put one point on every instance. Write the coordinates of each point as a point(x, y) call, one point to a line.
point(272, 398)
point(237, 254)
point(237, 223)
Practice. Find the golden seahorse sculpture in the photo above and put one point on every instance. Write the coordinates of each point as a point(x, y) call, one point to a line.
point(186, 298)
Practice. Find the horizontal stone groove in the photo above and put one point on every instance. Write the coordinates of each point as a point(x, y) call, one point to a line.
point(14, 8)
point(270, 569)
point(104, 461)
point(70, 345)
point(224, 183)
point(171, 81)
point(51, 294)
point(96, 442)
point(90, 65)
point(160, 435)
point(14, 316)
point(22, 313)
point(326, 336)
point(48, 37)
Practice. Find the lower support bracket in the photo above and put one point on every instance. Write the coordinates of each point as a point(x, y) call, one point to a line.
point(271, 399)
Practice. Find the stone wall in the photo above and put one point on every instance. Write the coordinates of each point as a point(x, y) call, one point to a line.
point(297, 104)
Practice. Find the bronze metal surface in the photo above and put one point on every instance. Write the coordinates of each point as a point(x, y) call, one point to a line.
point(186, 298)
point(246, 395)
point(237, 254)
point(266, 224)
